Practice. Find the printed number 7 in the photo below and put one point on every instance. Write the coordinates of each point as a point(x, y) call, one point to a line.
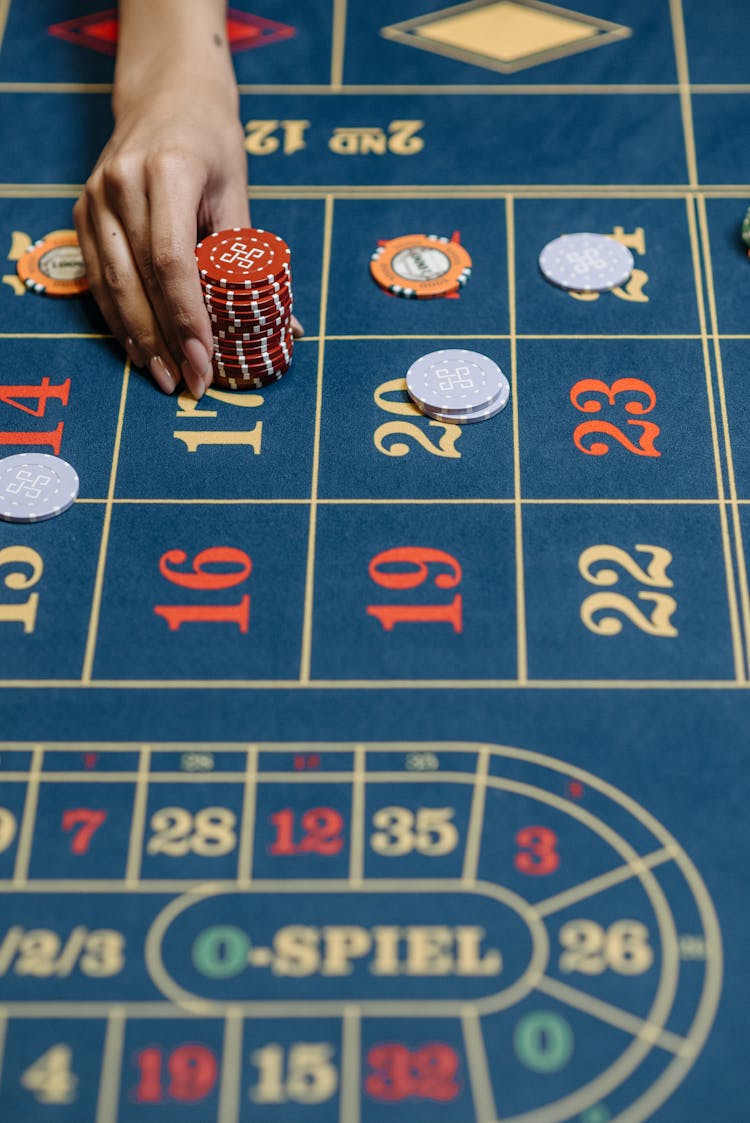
point(87, 821)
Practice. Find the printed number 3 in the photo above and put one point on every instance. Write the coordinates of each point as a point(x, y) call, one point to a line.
point(537, 851)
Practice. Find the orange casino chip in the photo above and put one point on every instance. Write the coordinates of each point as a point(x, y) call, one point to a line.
point(421, 266)
point(54, 265)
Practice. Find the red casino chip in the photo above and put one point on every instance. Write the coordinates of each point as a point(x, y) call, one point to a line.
point(243, 258)
point(236, 379)
point(251, 332)
point(251, 329)
point(230, 310)
point(261, 359)
point(279, 290)
point(251, 348)
point(268, 370)
point(229, 382)
point(273, 300)
point(253, 354)
point(245, 277)
point(261, 363)
point(229, 328)
point(257, 342)
point(237, 311)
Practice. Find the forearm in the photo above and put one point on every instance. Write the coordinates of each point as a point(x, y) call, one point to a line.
point(167, 44)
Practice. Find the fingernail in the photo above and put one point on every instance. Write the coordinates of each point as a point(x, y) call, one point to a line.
point(162, 375)
point(134, 354)
point(193, 379)
point(198, 357)
point(297, 327)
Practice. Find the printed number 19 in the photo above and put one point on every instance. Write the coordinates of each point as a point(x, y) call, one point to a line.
point(419, 558)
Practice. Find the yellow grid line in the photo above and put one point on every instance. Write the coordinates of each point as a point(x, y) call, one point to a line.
point(414, 191)
point(109, 1079)
point(3, 1037)
point(479, 1070)
point(138, 818)
point(307, 623)
point(338, 46)
point(428, 501)
point(377, 684)
point(521, 642)
point(350, 1105)
point(736, 633)
point(246, 842)
point(498, 89)
point(735, 503)
point(683, 75)
point(4, 13)
point(28, 819)
point(230, 1095)
point(96, 604)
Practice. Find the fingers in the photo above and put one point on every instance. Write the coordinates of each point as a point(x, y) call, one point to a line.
point(137, 225)
point(90, 252)
point(120, 285)
point(232, 207)
point(175, 187)
point(128, 199)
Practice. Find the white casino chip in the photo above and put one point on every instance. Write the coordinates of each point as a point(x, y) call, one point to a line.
point(586, 262)
point(35, 486)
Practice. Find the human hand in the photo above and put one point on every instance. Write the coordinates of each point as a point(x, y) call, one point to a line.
point(174, 170)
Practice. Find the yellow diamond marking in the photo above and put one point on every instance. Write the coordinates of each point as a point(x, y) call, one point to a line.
point(506, 35)
point(506, 31)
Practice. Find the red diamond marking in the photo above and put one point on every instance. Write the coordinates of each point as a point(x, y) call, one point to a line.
point(99, 32)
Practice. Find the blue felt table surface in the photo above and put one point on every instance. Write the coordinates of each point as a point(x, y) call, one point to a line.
point(201, 815)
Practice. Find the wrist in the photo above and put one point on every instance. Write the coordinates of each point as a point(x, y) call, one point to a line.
point(168, 48)
point(173, 86)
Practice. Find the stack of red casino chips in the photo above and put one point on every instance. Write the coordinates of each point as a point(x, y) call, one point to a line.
point(247, 288)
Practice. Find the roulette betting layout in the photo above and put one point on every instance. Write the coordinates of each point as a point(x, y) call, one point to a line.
point(372, 746)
